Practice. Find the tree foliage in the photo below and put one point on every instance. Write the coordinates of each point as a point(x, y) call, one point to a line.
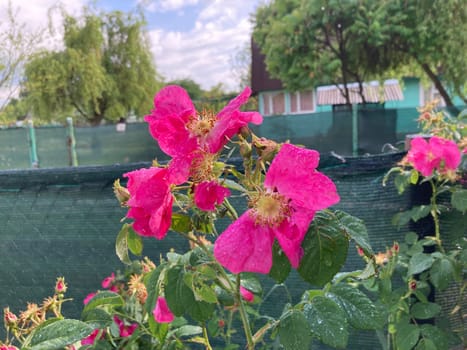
point(308, 43)
point(105, 70)
point(17, 43)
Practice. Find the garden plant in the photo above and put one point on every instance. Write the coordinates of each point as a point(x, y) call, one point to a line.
point(211, 295)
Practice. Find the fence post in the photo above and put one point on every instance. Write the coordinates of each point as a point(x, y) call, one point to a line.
point(71, 143)
point(34, 159)
point(355, 129)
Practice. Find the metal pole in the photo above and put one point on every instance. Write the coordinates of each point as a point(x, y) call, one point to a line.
point(355, 129)
point(34, 159)
point(71, 143)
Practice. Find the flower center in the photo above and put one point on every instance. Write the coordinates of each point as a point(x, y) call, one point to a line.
point(202, 125)
point(201, 168)
point(270, 208)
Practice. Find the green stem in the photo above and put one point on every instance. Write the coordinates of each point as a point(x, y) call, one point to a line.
point(434, 214)
point(244, 317)
point(206, 337)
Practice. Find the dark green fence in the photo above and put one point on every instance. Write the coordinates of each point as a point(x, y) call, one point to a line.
point(370, 133)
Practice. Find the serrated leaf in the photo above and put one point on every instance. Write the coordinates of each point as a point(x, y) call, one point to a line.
point(187, 331)
point(181, 223)
point(280, 264)
point(135, 242)
point(459, 199)
point(58, 334)
point(441, 273)
point(233, 185)
point(294, 332)
point(360, 310)
point(97, 318)
point(356, 229)
point(325, 249)
point(121, 245)
point(424, 311)
point(419, 262)
point(327, 322)
point(181, 299)
point(151, 284)
point(104, 298)
point(406, 336)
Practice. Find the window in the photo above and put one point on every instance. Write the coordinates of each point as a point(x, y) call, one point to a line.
point(301, 102)
point(273, 103)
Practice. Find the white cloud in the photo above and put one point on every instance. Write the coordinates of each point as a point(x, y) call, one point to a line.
point(166, 5)
point(205, 53)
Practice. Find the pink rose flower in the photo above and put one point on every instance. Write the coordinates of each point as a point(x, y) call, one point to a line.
point(246, 294)
point(91, 338)
point(180, 129)
point(108, 281)
point(125, 330)
point(150, 201)
point(437, 153)
point(208, 194)
point(88, 298)
point(161, 312)
point(191, 138)
point(293, 191)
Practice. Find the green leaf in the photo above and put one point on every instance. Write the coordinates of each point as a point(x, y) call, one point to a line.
point(424, 311)
point(419, 212)
point(411, 238)
point(135, 242)
point(360, 310)
point(121, 245)
point(181, 223)
point(97, 318)
point(419, 263)
point(181, 299)
point(325, 249)
point(158, 330)
point(187, 331)
point(294, 332)
point(356, 229)
point(441, 273)
point(435, 334)
point(58, 334)
point(459, 199)
point(406, 336)
point(104, 298)
point(233, 185)
point(426, 344)
point(151, 284)
point(280, 264)
point(327, 321)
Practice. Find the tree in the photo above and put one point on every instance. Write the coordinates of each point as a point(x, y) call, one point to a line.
point(105, 71)
point(307, 43)
point(17, 43)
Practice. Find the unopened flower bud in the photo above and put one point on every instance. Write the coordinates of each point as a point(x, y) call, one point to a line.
point(122, 194)
point(60, 285)
point(413, 285)
point(9, 317)
point(245, 132)
point(395, 247)
point(266, 148)
point(360, 251)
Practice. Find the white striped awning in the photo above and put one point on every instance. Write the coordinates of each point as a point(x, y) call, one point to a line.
point(332, 95)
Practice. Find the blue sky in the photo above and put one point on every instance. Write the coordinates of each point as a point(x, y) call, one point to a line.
point(195, 39)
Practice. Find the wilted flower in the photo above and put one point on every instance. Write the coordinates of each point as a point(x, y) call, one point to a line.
point(293, 191)
point(161, 312)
